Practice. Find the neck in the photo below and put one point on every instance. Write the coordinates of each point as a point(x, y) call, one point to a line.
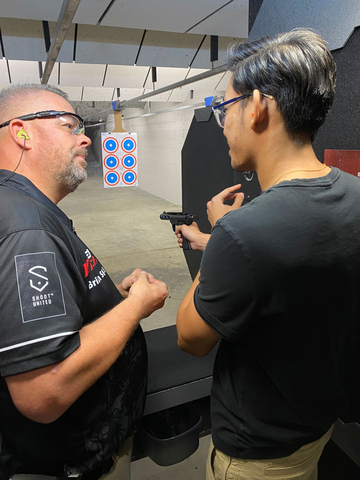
point(288, 161)
point(44, 183)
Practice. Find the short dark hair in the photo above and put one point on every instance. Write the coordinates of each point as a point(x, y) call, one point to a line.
point(295, 67)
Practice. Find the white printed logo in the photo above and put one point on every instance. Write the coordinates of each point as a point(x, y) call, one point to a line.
point(41, 283)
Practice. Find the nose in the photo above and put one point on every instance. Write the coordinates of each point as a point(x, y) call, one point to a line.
point(83, 141)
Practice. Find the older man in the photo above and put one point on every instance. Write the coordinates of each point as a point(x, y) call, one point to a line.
point(73, 356)
point(279, 281)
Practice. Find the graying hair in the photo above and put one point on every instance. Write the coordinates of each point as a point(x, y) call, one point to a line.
point(295, 67)
point(12, 94)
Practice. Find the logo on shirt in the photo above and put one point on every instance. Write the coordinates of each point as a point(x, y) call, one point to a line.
point(93, 278)
point(39, 286)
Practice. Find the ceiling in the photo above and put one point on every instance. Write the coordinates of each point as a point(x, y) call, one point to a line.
point(100, 46)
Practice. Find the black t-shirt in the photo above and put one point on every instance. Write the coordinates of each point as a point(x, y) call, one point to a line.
point(52, 285)
point(280, 282)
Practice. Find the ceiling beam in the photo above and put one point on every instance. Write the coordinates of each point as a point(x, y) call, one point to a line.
point(186, 81)
point(66, 16)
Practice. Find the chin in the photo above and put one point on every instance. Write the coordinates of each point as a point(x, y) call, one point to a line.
point(236, 166)
point(241, 167)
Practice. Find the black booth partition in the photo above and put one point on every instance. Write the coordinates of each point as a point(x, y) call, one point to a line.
point(206, 170)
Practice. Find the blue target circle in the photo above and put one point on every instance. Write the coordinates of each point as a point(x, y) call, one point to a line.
point(110, 145)
point(111, 162)
point(128, 161)
point(128, 144)
point(112, 178)
point(129, 177)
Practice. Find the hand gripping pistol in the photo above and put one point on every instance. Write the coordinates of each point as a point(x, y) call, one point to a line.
point(179, 218)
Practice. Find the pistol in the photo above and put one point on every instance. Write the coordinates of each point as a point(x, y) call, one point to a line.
point(179, 218)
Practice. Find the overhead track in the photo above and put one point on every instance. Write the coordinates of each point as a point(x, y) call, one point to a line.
point(66, 16)
point(187, 81)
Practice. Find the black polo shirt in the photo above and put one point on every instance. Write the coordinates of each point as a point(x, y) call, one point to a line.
point(52, 285)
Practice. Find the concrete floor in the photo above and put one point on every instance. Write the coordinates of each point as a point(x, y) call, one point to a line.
point(123, 229)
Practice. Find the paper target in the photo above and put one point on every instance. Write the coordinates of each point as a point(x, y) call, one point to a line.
point(128, 161)
point(119, 158)
point(112, 178)
point(128, 144)
point(129, 177)
point(110, 145)
point(111, 162)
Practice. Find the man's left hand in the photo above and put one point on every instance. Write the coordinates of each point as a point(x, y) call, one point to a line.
point(128, 281)
point(216, 207)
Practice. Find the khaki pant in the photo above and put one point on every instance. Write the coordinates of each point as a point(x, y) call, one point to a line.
point(301, 465)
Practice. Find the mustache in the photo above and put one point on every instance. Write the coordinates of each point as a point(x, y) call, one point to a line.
point(80, 151)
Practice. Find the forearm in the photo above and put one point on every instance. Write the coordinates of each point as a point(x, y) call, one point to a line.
point(203, 241)
point(45, 397)
point(194, 335)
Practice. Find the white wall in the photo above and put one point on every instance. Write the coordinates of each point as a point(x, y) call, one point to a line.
point(160, 140)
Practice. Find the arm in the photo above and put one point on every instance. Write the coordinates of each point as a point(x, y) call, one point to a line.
point(43, 395)
point(194, 335)
point(216, 207)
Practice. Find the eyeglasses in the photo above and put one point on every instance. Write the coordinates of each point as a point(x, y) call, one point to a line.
point(74, 121)
point(220, 112)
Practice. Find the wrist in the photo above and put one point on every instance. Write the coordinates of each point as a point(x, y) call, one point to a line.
point(135, 306)
point(205, 239)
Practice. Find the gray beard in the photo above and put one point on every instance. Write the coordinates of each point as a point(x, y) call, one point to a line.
point(72, 176)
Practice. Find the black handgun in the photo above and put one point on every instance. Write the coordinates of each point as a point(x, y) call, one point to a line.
point(179, 218)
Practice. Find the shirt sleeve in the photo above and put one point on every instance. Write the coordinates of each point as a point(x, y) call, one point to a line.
point(226, 295)
point(41, 303)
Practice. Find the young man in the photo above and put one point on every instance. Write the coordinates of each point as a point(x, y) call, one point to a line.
point(73, 357)
point(279, 281)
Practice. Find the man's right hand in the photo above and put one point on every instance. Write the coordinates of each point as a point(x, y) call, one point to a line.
point(148, 293)
point(197, 239)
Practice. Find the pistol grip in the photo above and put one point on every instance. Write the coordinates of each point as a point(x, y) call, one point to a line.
point(186, 243)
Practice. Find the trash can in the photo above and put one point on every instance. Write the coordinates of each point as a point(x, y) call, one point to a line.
point(171, 435)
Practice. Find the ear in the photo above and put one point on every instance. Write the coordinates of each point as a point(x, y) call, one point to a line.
point(19, 134)
point(260, 109)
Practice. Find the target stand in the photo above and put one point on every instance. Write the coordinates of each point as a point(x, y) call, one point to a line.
point(119, 159)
